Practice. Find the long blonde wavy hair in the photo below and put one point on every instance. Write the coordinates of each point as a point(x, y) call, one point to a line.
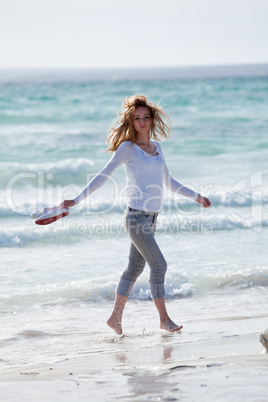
point(125, 130)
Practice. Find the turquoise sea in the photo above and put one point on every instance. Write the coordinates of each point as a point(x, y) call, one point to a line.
point(57, 282)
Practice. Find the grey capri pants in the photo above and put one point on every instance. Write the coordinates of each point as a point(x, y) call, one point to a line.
point(140, 226)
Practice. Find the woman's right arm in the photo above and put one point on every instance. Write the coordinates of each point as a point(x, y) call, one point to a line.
point(119, 157)
point(67, 204)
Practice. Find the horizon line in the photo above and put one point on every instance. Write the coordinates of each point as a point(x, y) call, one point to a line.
point(246, 64)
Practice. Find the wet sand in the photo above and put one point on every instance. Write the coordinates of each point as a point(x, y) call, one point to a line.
point(157, 374)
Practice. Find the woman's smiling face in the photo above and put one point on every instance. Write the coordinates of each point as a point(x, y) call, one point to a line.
point(142, 120)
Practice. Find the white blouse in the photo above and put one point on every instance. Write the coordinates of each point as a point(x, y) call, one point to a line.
point(145, 177)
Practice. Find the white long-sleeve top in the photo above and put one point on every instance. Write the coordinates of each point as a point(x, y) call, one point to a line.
point(145, 177)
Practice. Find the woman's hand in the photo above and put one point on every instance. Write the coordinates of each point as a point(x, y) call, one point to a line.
point(67, 204)
point(203, 201)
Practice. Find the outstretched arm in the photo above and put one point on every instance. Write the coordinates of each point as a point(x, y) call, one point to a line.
point(119, 157)
point(177, 187)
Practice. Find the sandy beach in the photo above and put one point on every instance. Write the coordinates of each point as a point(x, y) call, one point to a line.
point(234, 369)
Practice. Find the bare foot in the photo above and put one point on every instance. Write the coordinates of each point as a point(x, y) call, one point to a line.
point(170, 326)
point(115, 324)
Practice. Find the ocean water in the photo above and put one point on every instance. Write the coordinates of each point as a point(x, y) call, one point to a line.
point(57, 282)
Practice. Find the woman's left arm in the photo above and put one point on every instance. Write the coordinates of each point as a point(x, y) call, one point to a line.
point(177, 187)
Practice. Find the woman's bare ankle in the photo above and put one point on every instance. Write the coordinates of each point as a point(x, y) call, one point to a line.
point(114, 322)
point(169, 325)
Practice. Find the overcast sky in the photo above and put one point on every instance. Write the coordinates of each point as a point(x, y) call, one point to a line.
point(121, 33)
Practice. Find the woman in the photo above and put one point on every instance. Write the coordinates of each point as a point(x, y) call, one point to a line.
point(134, 142)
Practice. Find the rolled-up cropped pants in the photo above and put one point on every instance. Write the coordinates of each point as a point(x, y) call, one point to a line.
point(140, 226)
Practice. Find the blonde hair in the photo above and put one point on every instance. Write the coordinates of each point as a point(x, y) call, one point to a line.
point(125, 130)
